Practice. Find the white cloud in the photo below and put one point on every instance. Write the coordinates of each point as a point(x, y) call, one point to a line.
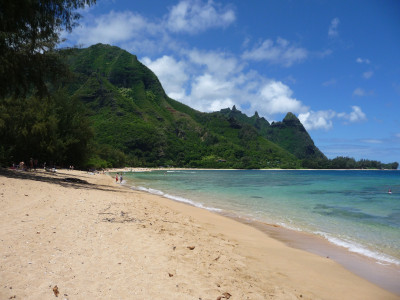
point(363, 60)
point(323, 119)
point(206, 81)
point(277, 98)
point(209, 87)
point(357, 115)
point(193, 16)
point(115, 27)
point(333, 28)
point(210, 81)
point(217, 105)
point(280, 52)
point(317, 119)
point(215, 62)
point(136, 33)
point(368, 74)
point(209, 93)
point(359, 92)
point(171, 73)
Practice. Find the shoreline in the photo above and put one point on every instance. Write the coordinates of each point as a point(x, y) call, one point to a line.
point(383, 275)
point(293, 240)
point(94, 239)
point(380, 273)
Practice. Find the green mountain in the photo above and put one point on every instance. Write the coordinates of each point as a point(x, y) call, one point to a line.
point(292, 136)
point(136, 123)
point(289, 134)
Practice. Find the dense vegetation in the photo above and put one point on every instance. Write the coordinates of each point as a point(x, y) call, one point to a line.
point(347, 163)
point(39, 120)
point(29, 32)
point(52, 130)
point(290, 134)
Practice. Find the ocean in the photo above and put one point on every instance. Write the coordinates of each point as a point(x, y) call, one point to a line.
point(352, 209)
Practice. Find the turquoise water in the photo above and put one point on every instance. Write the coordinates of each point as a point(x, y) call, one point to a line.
point(352, 209)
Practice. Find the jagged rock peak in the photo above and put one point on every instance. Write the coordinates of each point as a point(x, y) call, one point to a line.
point(290, 117)
point(256, 115)
point(234, 108)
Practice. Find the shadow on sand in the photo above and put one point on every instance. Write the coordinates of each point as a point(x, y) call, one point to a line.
point(56, 178)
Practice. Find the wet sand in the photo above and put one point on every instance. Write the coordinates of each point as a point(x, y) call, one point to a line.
point(386, 276)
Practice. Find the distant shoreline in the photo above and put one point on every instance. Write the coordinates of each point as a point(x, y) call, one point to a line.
point(138, 169)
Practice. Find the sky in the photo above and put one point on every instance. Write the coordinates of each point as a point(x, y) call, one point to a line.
point(334, 64)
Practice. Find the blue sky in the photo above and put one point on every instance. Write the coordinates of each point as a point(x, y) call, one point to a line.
point(335, 64)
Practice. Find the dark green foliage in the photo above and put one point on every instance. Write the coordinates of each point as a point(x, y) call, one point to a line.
point(261, 124)
point(53, 130)
point(29, 33)
point(341, 162)
point(291, 135)
point(36, 119)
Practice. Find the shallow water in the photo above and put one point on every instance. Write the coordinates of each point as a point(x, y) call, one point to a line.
point(352, 209)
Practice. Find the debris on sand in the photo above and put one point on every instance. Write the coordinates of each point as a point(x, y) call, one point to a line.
point(55, 290)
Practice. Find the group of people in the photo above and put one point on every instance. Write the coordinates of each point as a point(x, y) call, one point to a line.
point(33, 164)
point(118, 176)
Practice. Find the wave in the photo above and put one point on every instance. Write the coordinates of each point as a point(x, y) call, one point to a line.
point(291, 227)
point(175, 198)
point(356, 248)
point(380, 258)
point(187, 172)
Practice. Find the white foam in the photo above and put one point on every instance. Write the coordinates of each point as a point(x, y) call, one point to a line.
point(187, 172)
point(175, 198)
point(148, 190)
point(291, 227)
point(356, 248)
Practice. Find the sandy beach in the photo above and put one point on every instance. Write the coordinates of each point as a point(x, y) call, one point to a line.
point(75, 235)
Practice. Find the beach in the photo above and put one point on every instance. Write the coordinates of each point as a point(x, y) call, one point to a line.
point(80, 235)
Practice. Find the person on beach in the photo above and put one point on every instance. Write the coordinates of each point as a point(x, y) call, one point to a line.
point(120, 178)
point(116, 178)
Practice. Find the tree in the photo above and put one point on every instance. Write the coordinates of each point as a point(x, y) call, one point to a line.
point(55, 130)
point(29, 32)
